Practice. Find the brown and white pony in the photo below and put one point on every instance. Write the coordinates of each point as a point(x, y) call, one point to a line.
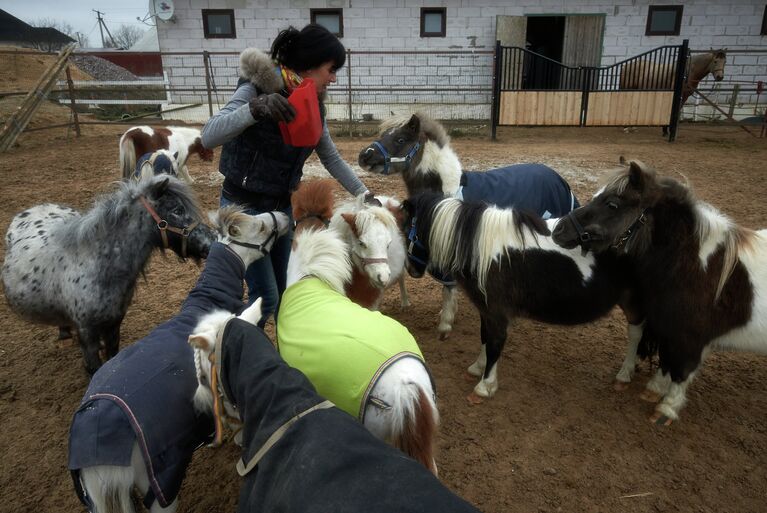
point(702, 278)
point(401, 408)
point(140, 140)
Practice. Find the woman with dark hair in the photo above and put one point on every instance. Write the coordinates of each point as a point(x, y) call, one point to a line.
point(260, 169)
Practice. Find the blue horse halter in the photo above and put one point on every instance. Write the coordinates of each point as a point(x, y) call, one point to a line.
point(389, 159)
point(418, 256)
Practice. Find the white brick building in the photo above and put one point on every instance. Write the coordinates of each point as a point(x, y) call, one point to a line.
point(599, 31)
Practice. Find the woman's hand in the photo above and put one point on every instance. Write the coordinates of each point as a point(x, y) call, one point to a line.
point(274, 106)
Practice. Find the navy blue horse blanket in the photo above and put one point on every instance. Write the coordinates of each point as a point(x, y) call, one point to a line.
point(145, 393)
point(302, 454)
point(162, 164)
point(532, 187)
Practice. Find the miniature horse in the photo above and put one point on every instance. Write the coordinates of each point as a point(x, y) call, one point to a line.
point(418, 147)
point(299, 453)
point(137, 424)
point(377, 249)
point(320, 331)
point(67, 269)
point(508, 266)
point(140, 140)
point(703, 280)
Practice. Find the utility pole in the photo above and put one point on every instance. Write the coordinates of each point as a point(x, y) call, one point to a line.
point(102, 28)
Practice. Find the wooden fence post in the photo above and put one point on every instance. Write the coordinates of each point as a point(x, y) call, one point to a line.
point(206, 60)
point(72, 103)
point(733, 100)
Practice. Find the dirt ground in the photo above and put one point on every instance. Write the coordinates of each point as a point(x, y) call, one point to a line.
point(556, 437)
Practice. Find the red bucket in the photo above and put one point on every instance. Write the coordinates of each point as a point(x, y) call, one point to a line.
point(306, 128)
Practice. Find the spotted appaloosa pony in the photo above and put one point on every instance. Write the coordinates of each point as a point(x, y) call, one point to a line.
point(137, 424)
point(509, 267)
point(419, 149)
point(368, 364)
point(140, 140)
point(69, 269)
point(377, 249)
point(703, 277)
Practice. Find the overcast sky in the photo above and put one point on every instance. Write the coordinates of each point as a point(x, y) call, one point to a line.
point(79, 13)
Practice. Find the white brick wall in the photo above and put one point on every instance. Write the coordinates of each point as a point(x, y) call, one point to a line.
point(394, 25)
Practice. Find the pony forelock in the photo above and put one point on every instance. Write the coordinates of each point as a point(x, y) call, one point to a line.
point(431, 128)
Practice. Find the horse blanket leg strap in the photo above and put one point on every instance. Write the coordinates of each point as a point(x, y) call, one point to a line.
point(243, 469)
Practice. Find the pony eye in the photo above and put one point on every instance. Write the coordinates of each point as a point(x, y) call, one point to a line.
point(363, 245)
point(612, 205)
point(401, 141)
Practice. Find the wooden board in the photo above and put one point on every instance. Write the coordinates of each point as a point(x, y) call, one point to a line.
point(556, 108)
point(629, 108)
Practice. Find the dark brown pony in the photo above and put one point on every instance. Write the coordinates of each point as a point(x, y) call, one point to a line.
point(140, 140)
point(701, 277)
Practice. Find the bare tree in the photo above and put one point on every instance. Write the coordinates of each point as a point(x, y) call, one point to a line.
point(50, 40)
point(125, 36)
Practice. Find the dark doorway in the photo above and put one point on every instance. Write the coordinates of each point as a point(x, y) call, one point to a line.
point(545, 36)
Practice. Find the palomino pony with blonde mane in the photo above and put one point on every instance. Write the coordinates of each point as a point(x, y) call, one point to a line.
point(703, 278)
point(368, 364)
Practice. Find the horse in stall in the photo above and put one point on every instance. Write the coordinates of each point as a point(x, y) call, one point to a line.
point(138, 423)
point(320, 330)
point(418, 147)
point(643, 75)
point(377, 249)
point(508, 266)
point(703, 283)
point(69, 269)
point(139, 140)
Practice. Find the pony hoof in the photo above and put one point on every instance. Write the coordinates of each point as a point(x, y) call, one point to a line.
point(660, 419)
point(468, 377)
point(444, 335)
point(620, 386)
point(474, 399)
point(650, 396)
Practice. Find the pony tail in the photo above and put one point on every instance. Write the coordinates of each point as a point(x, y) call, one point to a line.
point(419, 429)
point(127, 157)
point(283, 44)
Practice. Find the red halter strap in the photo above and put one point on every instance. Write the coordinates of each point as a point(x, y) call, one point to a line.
point(163, 226)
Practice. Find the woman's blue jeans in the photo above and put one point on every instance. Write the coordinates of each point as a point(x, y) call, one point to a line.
point(266, 276)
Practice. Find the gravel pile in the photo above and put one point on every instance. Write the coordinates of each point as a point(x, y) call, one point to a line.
point(102, 69)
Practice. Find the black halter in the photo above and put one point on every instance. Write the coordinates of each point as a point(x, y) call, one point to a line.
point(584, 237)
point(266, 243)
point(631, 230)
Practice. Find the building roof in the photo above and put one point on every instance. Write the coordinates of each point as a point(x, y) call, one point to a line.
point(13, 29)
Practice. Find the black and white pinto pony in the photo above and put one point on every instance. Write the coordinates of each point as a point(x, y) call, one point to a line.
point(703, 277)
point(377, 249)
point(508, 265)
point(156, 163)
point(419, 149)
point(138, 423)
point(182, 141)
point(69, 269)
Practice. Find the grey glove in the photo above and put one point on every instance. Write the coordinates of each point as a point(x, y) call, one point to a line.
point(274, 106)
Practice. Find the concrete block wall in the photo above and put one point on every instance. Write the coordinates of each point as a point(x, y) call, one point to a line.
point(470, 25)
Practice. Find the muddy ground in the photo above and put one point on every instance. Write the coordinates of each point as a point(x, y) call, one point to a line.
point(556, 437)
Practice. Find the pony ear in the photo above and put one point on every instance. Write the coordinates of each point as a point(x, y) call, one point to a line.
point(214, 218)
point(622, 160)
point(234, 231)
point(175, 156)
point(351, 220)
point(160, 187)
point(252, 314)
point(199, 342)
point(414, 123)
point(636, 174)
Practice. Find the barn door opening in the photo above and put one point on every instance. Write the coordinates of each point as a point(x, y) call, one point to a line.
point(545, 36)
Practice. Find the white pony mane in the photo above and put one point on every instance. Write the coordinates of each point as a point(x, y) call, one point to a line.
point(225, 218)
point(431, 128)
point(716, 229)
point(494, 235)
point(207, 327)
point(322, 254)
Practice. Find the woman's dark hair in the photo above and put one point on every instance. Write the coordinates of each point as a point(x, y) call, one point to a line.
point(308, 48)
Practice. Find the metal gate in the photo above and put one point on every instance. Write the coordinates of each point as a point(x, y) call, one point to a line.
point(645, 90)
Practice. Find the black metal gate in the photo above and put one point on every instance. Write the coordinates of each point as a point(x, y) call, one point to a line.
point(645, 90)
